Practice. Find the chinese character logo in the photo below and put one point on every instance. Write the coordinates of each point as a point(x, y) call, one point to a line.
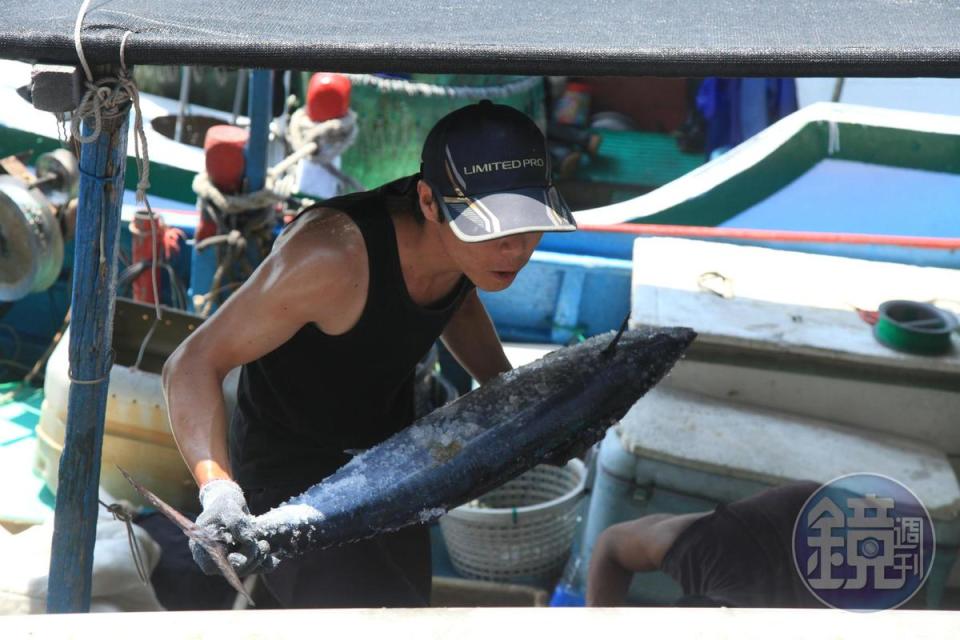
point(863, 542)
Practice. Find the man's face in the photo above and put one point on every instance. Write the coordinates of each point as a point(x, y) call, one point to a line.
point(493, 265)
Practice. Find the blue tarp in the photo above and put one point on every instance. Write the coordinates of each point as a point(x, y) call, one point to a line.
point(737, 108)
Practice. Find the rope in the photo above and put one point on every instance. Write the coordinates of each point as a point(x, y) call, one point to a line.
point(103, 377)
point(153, 325)
point(76, 39)
point(105, 98)
point(234, 234)
point(410, 88)
point(326, 140)
point(120, 513)
point(348, 180)
point(227, 204)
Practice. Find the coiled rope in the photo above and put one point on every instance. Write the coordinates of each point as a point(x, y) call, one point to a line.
point(106, 98)
point(324, 141)
point(243, 202)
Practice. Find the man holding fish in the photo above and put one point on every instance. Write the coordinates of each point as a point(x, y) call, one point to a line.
point(328, 332)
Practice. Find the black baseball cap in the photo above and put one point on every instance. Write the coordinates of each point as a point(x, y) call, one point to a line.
point(490, 173)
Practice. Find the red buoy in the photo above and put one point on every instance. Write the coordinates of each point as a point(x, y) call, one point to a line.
point(223, 150)
point(328, 96)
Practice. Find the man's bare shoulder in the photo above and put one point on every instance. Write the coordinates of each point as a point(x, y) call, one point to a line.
point(317, 273)
point(319, 267)
point(321, 233)
point(322, 244)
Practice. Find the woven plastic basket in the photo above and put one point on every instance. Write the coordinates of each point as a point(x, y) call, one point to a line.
point(520, 531)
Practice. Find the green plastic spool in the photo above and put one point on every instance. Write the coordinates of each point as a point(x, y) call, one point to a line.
point(914, 327)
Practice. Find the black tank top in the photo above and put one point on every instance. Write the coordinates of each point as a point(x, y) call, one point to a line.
point(303, 405)
point(741, 554)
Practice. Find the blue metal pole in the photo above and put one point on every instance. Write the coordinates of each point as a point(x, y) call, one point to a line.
point(102, 164)
point(260, 109)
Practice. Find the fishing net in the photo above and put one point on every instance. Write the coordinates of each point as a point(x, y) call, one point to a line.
point(398, 113)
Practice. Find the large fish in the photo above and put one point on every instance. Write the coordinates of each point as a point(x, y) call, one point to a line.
point(542, 412)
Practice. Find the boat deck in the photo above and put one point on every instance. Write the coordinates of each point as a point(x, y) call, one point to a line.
point(26, 501)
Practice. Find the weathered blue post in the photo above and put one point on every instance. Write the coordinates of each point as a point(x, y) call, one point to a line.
point(102, 164)
point(260, 110)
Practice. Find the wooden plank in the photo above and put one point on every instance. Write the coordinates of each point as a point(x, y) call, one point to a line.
point(483, 624)
point(102, 165)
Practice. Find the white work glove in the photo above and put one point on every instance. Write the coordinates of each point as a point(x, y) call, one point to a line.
point(225, 511)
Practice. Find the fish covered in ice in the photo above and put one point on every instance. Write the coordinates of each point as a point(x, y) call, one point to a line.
point(542, 412)
point(545, 411)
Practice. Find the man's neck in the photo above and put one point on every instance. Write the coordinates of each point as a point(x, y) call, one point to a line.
point(428, 270)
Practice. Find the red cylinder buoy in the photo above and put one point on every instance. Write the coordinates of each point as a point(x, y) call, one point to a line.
point(223, 150)
point(328, 96)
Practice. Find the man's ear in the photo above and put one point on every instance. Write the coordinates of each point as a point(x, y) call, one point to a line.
point(428, 204)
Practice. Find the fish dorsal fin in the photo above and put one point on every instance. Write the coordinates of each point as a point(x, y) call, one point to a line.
point(610, 348)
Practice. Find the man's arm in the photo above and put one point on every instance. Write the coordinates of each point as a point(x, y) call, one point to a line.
point(628, 548)
point(312, 276)
point(473, 341)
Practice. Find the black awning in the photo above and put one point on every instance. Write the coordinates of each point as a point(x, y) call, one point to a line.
point(562, 37)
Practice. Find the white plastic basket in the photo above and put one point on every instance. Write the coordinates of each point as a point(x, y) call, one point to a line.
point(521, 530)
